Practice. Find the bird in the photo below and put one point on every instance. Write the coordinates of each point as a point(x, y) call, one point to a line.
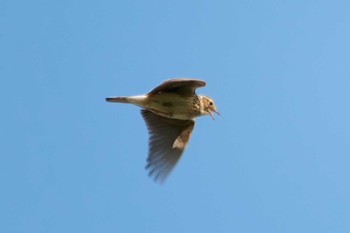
point(169, 111)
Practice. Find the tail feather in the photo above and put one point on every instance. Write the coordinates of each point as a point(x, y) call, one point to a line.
point(118, 99)
point(139, 100)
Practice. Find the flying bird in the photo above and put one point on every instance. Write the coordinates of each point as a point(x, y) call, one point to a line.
point(169, 111)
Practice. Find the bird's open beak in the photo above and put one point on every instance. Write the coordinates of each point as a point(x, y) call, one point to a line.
point(211, 114)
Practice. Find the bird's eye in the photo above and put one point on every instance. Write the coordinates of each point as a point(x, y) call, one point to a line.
point(210, 103)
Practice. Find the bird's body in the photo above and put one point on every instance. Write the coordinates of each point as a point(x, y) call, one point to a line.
point(169, 111)
point(171, 105)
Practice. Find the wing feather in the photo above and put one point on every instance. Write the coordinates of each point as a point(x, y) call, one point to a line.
point(167, 141)
point(183, 86)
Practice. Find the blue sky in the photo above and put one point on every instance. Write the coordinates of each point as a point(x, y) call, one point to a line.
point(277, 160)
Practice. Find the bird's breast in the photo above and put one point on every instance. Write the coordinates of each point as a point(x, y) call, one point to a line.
point(174, 105)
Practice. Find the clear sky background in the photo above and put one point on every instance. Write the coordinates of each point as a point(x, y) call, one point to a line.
point(277, 160)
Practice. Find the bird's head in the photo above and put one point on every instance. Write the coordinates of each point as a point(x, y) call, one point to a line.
point(208, 106)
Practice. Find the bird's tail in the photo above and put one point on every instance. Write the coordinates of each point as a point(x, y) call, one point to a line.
point(139, 100)
point(118, 99)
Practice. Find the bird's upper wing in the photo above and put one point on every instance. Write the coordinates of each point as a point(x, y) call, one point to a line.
point(183, 86)
point(167, 140)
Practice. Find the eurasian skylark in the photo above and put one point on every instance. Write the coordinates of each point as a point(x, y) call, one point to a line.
point(169, 111)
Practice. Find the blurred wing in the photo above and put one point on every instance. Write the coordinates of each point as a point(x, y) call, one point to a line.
point(183, 86)
point(167, 140)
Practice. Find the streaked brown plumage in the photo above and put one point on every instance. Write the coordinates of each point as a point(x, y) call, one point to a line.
point(169, 111)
